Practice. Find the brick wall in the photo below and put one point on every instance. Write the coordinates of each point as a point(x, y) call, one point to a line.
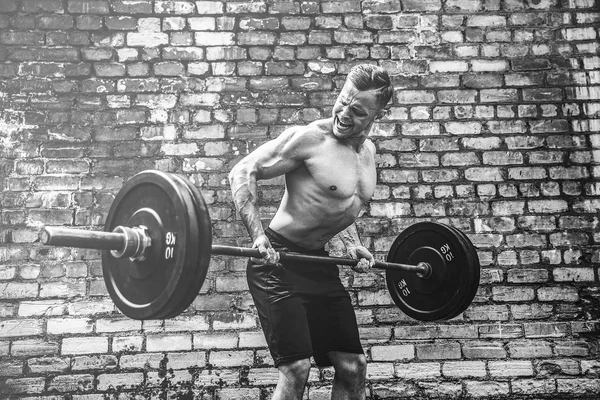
point(494, 129)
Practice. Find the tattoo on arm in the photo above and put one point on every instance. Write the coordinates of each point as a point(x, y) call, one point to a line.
point(349, 236)
point(244, 190)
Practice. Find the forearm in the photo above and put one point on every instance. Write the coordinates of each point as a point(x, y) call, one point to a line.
point(350, 237)
point(244, 193)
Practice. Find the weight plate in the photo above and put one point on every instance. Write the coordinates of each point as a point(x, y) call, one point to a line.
point(203, 243)
point(185, 285)
point(475, 272)
point(142, 289)
point(440, 295)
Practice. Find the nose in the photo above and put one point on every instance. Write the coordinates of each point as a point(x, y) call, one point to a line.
point(345, 113)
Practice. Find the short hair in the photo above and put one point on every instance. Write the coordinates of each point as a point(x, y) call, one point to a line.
point(372, 77)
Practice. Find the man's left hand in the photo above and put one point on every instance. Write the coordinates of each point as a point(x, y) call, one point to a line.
point(364, 257)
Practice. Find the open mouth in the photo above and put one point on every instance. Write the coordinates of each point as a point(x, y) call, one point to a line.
point(341, 125)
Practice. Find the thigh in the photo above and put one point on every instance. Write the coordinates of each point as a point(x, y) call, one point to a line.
point(281, 312)
point(333, 327)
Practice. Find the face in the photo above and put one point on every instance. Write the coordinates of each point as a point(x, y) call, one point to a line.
point(354, 111)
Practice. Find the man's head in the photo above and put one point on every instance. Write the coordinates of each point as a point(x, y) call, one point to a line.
point(366, 92)
point(371, 77)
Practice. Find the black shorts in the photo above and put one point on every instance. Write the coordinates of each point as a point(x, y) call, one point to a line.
point(304, 309)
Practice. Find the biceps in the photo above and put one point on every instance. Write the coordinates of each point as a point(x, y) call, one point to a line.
point(274, 166)
point(273, 159)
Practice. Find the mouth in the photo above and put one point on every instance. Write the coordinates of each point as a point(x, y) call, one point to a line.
point(341, 125)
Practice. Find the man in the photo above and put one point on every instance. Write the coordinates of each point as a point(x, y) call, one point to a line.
point(329, 168)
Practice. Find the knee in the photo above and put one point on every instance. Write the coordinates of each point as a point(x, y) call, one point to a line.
point(296, 371)
point(353, 369)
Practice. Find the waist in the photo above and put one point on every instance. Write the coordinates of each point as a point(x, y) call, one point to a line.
point(280, 242)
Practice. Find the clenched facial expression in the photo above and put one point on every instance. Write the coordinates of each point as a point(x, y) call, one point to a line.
point(354, 111)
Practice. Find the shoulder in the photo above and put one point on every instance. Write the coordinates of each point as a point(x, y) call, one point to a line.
point(370, 146)
point(312, 134)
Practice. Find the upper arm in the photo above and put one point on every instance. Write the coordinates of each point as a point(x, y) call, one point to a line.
point(278, 156)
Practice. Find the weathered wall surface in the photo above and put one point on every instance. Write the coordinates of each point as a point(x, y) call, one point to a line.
point(494, 129)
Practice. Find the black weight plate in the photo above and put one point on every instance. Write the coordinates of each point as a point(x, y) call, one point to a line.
point(476, 270)
point(438, 296)
point(173, 307)
point(473, 269)
point(204, 245)
point(141, 289)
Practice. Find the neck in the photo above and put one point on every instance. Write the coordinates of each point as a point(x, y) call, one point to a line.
point(358, 141)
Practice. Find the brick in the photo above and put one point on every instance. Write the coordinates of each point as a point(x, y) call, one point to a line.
point(226, 39)
point(541, 330)
point(119, 381)
point(446, 351)
point(531, 386)
point(486, 388)
point(417, 371)
point(464, 369)
point(484, 349)
point(22, 38)
point(11, 368)
point(498, 95)
point(25, 385)
point(72, 383)
point(18, 290)
point(98, 363)
point(231, 358)
point(527, 275)
point(55, 22)
point(487, 313)
point(84, 345)
point(139, 361)
point(560, 366)
point(427, 5)
point(489, 65)
point(169, 342)
point(558, 294)
point(147, 39)
point(510, 368)
point(60, 326)
point(174, 7)
point(378, 371)
point(392, 353)
point(573, 274)
point(238, 393)
point(126, 344)
point(337, 7)
point(20, 327)
point(33, 348)
point(88, 7)
point(186, 360)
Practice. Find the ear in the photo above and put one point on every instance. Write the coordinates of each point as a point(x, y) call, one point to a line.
point(384, 112)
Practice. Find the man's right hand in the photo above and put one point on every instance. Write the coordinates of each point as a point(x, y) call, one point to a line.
point(269, 255)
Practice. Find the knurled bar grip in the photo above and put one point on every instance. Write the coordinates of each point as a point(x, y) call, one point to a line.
point(116, 241)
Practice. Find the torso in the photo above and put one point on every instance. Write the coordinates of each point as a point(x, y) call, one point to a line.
point(325, 194)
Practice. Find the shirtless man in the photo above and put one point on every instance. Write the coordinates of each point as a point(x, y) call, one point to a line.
point(329, 168)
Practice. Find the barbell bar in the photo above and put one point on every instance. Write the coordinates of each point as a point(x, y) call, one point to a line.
point(131, 242)
point(157, 243)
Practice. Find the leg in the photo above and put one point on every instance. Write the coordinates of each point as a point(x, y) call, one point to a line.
point(350, 376)
point(292, 380)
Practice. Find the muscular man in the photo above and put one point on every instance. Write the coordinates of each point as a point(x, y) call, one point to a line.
point(329, 168)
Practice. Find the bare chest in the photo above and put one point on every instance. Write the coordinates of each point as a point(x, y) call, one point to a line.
point(343, 174)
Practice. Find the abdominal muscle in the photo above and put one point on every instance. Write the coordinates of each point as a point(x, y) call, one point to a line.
point(309, 218)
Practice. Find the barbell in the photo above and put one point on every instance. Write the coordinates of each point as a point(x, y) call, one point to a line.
point(158, 243)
